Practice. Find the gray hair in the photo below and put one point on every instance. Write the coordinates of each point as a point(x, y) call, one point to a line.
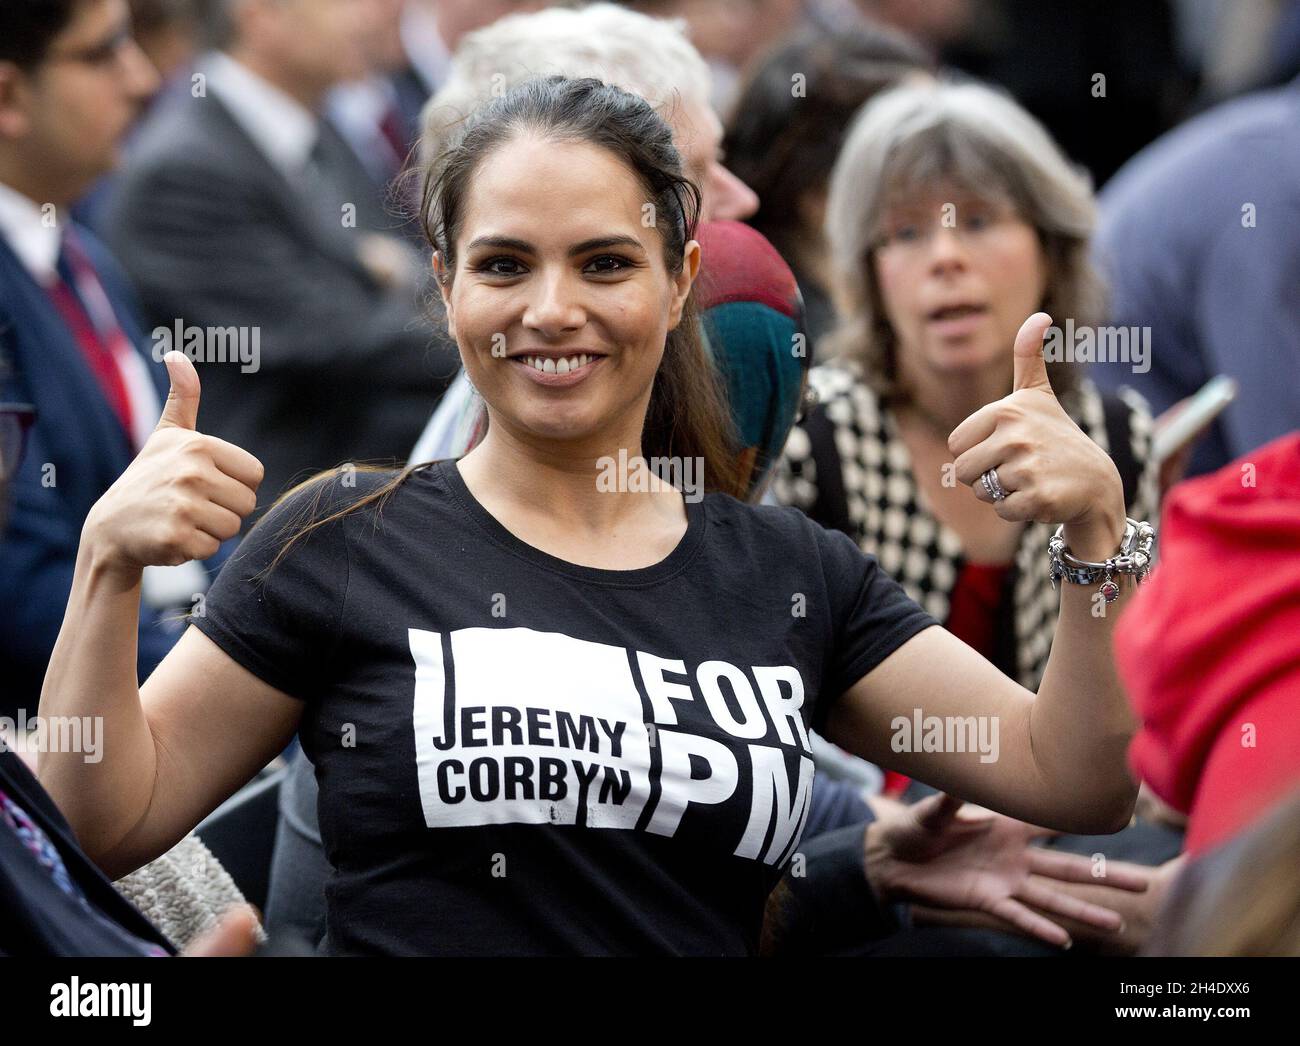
point(920, 137)
point(650, 57)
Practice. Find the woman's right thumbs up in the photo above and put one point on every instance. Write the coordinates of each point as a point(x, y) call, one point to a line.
point(182, 496)
point(181, 411)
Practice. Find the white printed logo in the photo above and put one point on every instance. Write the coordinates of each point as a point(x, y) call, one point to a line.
point(527, 727)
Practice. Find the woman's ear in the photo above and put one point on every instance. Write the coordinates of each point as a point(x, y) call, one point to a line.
point(442, 276)
point(682, 281)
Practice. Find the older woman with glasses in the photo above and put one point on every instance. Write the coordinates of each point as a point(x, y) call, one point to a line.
point(952, 215)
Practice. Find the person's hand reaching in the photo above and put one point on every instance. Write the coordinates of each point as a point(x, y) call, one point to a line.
point(936, 853)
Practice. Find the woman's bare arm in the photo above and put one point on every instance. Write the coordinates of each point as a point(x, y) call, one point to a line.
point(1060, 756)
point(1056, 759)
point(173, 750)
point(202, 725)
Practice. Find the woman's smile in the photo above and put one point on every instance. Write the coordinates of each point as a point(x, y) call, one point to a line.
point(552, 370)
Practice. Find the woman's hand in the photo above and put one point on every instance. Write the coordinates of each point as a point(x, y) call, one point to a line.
point(983, 862)
point(182, 496)
point(1051, 471)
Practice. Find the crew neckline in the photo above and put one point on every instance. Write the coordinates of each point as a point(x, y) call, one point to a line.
point(672, 564)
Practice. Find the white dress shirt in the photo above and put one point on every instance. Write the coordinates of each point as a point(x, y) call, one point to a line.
point(424, 48)
point(282, 128)
point(33, 233)
point(357, 110)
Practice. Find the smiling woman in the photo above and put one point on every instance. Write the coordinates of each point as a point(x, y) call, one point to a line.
point(550, 716)
point(611, 281)
point(541, 270)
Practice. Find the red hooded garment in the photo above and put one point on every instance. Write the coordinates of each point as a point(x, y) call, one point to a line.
point(1209, 648)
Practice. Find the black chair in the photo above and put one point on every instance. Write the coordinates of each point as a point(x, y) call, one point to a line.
point(241, 834)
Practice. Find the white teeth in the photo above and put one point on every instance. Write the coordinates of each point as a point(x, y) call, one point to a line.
point(564, 365)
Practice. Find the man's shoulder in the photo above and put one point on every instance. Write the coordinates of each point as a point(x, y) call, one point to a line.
point(185, 131)
point(188, 154)
point(1200, 160)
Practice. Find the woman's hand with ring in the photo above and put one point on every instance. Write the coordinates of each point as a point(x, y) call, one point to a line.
point(1049, 469)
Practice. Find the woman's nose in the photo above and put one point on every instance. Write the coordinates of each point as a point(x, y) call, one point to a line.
point(555, 308)
point(947, 249)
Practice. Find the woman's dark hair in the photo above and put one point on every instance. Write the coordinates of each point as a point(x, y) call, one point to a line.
point(687, 416)
point(790, 118)
point(27, 29)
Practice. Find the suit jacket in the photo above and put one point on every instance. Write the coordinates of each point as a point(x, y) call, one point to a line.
point(36, 917)
point(77, 449)
point(214, 235)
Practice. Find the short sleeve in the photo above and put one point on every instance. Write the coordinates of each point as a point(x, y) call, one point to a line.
point(276, 608)
point(872, 616)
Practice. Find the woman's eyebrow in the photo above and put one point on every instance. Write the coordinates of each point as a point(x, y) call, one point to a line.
point(505, 243)
point(509, 243)
point(601, 242)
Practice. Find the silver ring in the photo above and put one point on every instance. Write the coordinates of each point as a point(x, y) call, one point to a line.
point(991, 485)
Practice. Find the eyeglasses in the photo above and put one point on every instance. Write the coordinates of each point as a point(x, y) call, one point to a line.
point(910, 232)
point(15, 422)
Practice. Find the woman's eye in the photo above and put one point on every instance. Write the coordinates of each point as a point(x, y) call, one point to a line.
point(904, 234)
point(607, 263)
point(500, 267)
point(978, 220)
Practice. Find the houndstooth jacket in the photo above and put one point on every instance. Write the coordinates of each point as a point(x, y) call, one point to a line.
point(874, 498)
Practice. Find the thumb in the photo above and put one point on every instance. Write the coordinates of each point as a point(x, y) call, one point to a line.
point(181, 411)
point(1030, 367)
point(234, 936)
point(936, 811)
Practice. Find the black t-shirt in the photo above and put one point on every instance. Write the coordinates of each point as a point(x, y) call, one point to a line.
point(519, 755)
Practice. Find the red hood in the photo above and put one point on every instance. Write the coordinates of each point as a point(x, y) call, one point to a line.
point(1209, 648)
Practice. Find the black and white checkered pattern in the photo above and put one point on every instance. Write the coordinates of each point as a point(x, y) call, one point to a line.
point(888, 521)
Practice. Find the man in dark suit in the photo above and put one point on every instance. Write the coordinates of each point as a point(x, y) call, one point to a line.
point(53, 900)
point(246, 221)
point(71, 81)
